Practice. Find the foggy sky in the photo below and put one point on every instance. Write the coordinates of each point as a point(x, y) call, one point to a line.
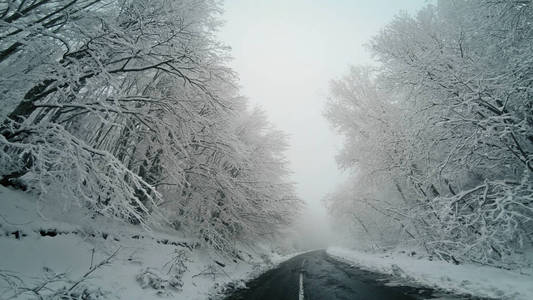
point(286, 52)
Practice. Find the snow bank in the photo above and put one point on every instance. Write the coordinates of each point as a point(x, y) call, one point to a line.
point(469, 279)
point(46, 248)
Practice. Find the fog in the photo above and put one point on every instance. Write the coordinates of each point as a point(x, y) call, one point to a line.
point(286, 52)
point(138, 161)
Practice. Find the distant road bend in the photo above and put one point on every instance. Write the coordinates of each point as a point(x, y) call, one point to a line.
point(315, 275)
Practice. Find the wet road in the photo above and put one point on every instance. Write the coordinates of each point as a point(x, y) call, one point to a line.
point(315, 275)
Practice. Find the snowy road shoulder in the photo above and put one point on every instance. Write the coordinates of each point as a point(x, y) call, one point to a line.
point(463, 279)
point(57, 250)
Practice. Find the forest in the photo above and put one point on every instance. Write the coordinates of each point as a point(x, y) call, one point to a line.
point(129, 108)
point(133, 165)
point(438, 136)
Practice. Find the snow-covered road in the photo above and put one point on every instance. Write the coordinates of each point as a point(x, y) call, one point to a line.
point(323, 277)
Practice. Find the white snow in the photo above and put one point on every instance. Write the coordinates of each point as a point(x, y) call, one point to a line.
point(82, 240)
point(481, 281)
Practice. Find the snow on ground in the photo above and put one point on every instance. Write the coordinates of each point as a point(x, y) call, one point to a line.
point(481, 281)
point(43, 252)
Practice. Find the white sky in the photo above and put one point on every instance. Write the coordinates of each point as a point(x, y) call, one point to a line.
point(286, 52)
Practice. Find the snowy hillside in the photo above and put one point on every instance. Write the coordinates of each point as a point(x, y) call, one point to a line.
point(50, 255)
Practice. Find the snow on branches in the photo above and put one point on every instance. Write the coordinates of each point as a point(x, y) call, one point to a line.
point(129, 108)
point(446, 122)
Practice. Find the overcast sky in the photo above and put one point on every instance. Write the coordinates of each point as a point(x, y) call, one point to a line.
point(286, 52)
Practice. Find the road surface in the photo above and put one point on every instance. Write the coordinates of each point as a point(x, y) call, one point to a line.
point(315, 275)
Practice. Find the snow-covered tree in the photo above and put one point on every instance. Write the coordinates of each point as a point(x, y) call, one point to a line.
point(375, 149)
point(129, 108)
point(459, 76)
point(237, 187)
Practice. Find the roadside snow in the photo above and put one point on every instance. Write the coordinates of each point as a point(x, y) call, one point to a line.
point(468, 279)
point(47, 248)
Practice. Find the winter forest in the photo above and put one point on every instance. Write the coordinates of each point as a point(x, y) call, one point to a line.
point(439, 136)
point(126, 107)
point(129, 155)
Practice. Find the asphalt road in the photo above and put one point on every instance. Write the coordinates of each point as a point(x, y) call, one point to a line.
point(323, 277)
